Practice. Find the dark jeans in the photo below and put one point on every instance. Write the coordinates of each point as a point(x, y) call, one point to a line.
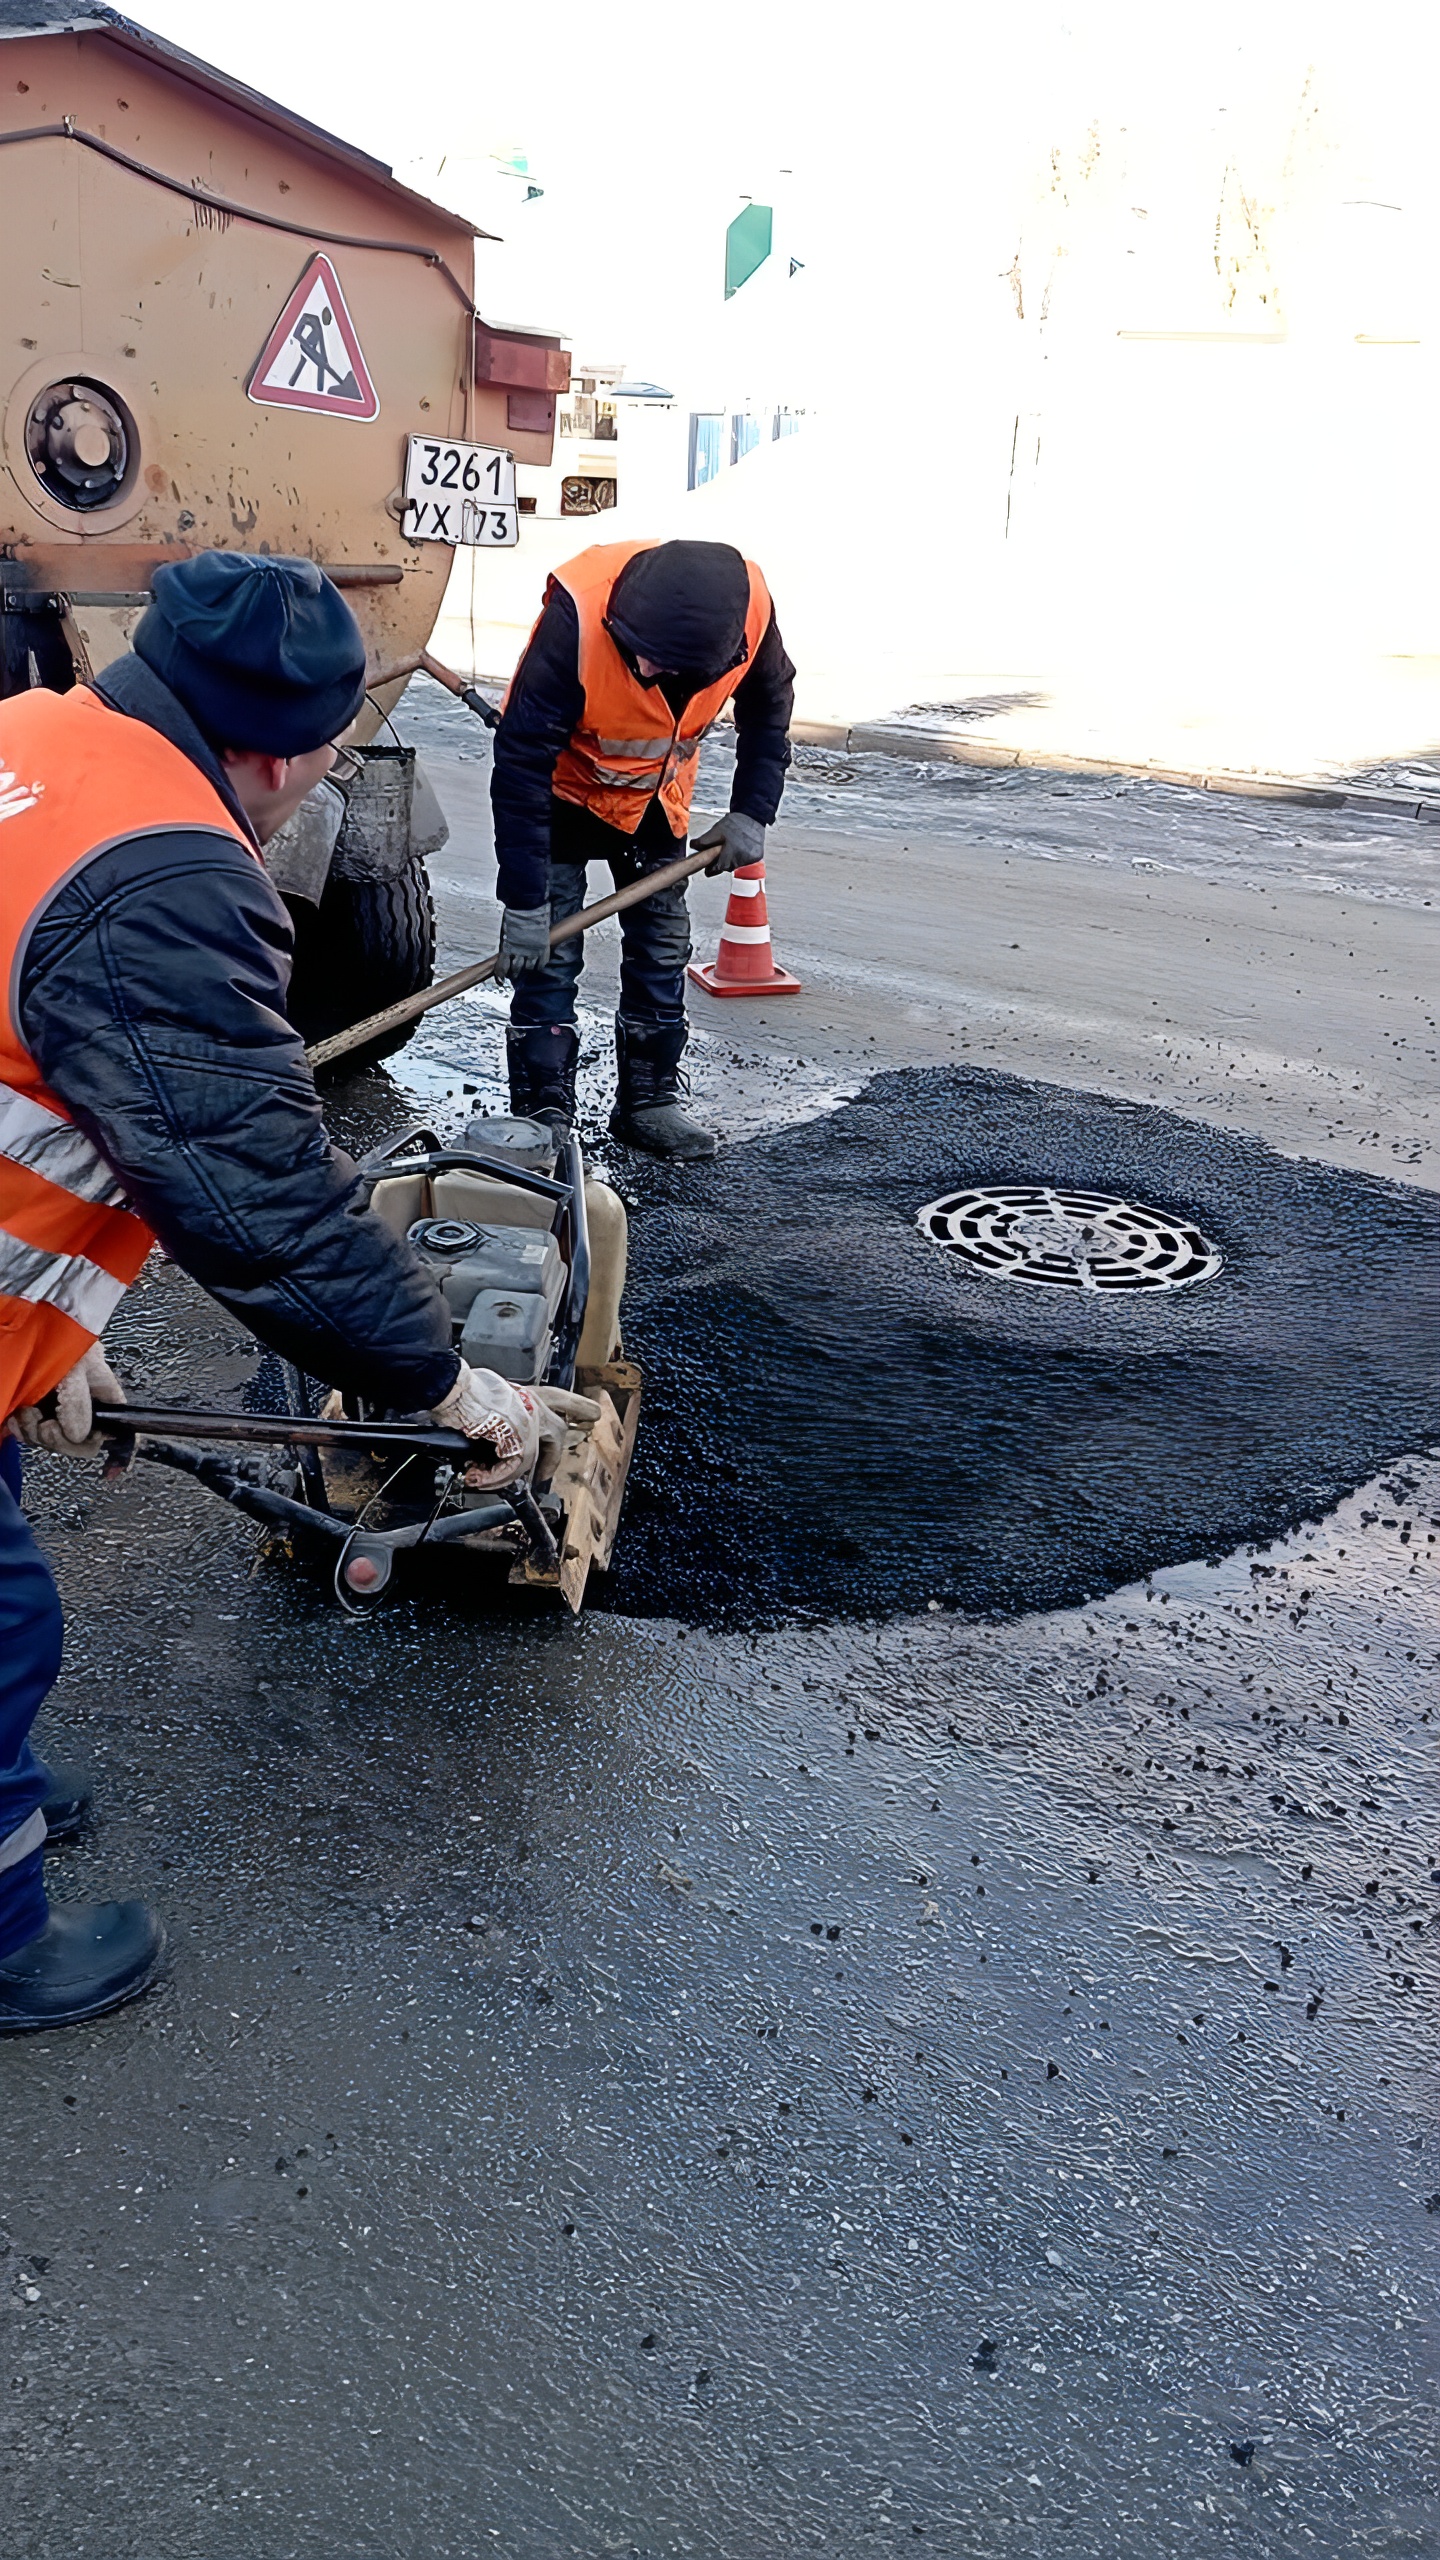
point(654, 937)
point(31, 1631)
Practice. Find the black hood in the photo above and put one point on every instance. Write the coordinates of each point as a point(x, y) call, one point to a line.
point(683, 606)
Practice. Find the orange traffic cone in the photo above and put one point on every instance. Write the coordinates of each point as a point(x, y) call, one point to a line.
point(745, 965)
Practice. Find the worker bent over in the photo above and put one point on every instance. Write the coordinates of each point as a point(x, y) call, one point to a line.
point(638, 648)
point(150, 1086)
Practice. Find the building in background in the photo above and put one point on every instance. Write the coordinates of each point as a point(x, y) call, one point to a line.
point(1119, 383)
point(622, 440)
point(719, 438)
point(613, 439)
point(630, 451)
point(588, 438)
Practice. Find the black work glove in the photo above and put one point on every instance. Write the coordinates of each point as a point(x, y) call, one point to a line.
point(736, 839)
point(524, 940)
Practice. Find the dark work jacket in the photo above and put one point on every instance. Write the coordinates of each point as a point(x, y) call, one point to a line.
point(152, 999)
point(546, 701)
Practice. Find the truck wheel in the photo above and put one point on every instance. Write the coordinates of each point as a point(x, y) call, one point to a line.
point(368, 943)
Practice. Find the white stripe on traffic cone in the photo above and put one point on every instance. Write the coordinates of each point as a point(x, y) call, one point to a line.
point(745, 965)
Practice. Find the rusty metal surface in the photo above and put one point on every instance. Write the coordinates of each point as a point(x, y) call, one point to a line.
point(167, 302)
point(590, 1481)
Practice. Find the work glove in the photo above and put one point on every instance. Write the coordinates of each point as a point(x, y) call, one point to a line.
point(64, 1423)
point(736, 839)
point(525, 1426)
point(524, 940)
point(488, 1408)
point(565, 1418)
point(529, 1428)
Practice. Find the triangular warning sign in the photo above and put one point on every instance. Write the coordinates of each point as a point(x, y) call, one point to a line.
point(312, 358)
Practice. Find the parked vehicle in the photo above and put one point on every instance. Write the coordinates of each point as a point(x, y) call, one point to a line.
point(240, 360)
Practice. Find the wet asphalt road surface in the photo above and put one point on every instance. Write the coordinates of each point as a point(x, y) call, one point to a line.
point(666, 2084)
point(1258, 966)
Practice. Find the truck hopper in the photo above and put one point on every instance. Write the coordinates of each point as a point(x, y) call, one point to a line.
point(237, 359)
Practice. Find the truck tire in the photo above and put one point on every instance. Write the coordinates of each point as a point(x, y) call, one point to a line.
point(368, 943)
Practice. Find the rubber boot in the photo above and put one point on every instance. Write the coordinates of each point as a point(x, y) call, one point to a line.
point(647, 1111)
point(66, 1805)
point(542, 1058)
point(89, 1957)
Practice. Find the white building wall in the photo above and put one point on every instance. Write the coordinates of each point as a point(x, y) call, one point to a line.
point(1120, 347)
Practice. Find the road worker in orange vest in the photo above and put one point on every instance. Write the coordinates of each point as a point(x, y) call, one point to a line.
point(150, 1086)
point(638, 648)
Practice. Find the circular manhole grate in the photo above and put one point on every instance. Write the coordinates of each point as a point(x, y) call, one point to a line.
point(1069, 1239)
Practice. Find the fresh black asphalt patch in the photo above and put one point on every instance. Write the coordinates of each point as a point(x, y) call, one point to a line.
point(841, 1420)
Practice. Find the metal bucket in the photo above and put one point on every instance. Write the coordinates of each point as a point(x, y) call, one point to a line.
point(375, 839)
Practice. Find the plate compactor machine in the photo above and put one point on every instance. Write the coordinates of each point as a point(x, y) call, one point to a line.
point(528, 1250)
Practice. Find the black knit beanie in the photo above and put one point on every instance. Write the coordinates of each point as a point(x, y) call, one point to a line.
point(263, 653)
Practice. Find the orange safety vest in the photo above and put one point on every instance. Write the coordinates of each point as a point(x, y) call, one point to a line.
point(75, 779)
point(619, 754)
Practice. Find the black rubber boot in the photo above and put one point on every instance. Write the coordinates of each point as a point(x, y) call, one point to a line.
point(542, 1058)
point(67, 1805)
point(647, 1111)
point(89, 1957)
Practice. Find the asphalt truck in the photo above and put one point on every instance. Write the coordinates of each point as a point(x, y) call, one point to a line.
point(222, 327)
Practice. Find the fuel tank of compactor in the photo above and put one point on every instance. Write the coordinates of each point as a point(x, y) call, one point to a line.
point(218, 328)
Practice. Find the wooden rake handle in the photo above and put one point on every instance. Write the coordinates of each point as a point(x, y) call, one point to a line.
point(410, 1008)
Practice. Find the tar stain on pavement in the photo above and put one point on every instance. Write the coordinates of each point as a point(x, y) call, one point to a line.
point(840, 1419)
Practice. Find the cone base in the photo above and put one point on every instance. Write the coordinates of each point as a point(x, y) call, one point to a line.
point(779, 984)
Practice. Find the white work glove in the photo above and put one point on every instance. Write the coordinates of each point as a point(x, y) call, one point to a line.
point(565, 1418)
point(489, 1408)
point(736, 840)
point(529, 1428)
point(524, 940)
point(70, 1432)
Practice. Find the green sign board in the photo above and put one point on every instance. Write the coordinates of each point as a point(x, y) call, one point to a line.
point(747, 245)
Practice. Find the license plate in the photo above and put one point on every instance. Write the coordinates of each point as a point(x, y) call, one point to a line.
point(459, 493)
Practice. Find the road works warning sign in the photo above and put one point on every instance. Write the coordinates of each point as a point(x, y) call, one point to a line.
point(312, 358)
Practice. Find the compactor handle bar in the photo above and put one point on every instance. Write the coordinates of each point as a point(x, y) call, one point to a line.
point(178, 1422)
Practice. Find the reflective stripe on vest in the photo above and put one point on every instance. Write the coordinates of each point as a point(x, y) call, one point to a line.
point(69, 1248)
point(33, 1136)
point(615, 775)
point(65, 1281)
point(75, 779)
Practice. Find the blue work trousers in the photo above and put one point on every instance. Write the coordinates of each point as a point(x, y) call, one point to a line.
point(31, 1633)
point(654, 947)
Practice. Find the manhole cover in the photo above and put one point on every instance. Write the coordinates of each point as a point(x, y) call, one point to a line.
point(1069, 1239)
